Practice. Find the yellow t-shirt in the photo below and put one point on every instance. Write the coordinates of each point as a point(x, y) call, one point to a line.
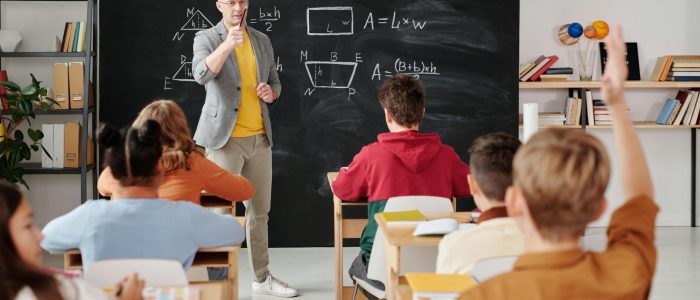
point(250, 120)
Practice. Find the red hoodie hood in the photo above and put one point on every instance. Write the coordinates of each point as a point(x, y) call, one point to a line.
point(415, 150)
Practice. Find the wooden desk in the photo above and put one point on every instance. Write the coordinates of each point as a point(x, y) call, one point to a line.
point(397, 237)
point(343, 229)
point(210, 290)
point(220, 257)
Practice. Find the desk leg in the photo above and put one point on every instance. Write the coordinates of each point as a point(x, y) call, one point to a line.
point(232, 286)
point(393, 267)
point(338, 227)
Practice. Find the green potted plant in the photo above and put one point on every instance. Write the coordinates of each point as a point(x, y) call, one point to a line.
point(22, 105)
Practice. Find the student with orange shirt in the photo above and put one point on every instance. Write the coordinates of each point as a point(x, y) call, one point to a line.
point(186, 171)
point(560, 177)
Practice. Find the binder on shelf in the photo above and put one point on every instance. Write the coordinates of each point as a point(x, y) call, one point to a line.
point(72, 146)
point(76, 77)
point(47, 142)
point(61, 88)
point(58, 145)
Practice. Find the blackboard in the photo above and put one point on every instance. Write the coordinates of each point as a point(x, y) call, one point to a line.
point(332, 56)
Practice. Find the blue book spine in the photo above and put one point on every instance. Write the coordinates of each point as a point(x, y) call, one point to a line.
point(666, 111)
point(76, 34)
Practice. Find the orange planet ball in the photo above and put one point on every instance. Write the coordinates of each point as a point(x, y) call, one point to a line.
point(589, 32)
point(601, 29)
point(564, 36)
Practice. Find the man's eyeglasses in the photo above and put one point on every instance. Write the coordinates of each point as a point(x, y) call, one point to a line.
point(229, 3)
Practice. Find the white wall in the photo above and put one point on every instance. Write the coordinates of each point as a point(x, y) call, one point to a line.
point(659, 28)
point(38, 23)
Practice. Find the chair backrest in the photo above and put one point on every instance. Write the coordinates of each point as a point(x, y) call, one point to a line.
point(487, 268)
point(426, 204)
point(155, 272)
point(413, 259)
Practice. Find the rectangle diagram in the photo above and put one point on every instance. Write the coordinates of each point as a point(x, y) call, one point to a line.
point(331, 74)
point(330, 21)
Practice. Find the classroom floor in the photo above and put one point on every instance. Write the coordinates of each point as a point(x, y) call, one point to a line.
point(311, 269)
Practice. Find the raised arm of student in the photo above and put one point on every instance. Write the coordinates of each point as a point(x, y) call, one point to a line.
point(631, 228)
point(636, 180)
point(64, 233)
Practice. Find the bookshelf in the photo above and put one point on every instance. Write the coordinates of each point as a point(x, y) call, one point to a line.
point(581, 86)
point(597, 84)
point(86, 114)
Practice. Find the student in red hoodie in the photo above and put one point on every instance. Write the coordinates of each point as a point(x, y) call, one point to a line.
point(402, 162)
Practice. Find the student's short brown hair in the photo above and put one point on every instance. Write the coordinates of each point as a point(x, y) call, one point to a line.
point(404, 97)
point(491, 163)
point(563, 175)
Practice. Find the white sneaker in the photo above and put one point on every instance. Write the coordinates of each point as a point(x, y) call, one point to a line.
point(275, 287)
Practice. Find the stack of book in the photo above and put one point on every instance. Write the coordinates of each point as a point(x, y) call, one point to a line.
point(683, 110)
point(551, 118)
point(601, 114)
point(557, 74)
point(74, 37)
point(533, 71)
point(677, 68)
point(572, 111)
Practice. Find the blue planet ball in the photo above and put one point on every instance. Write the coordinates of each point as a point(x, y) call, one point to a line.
point(575, 30)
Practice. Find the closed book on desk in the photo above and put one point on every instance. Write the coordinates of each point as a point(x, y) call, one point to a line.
point(409, 217)
point(438, 286)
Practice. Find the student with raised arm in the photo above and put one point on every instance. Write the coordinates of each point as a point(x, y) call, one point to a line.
point(138, 224)
point(560, 177)
point(186, 172)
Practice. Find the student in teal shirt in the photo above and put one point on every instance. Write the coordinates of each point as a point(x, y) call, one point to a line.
point(138, 225)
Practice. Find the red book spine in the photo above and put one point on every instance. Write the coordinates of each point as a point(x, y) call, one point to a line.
point(552, 60)
point(3, 77)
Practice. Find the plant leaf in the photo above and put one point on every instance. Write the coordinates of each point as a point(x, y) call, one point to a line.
point(35, 147)
point(30, 90)
point(19, 135)
point(33, 134)
point(26, 153)
point(10, 86)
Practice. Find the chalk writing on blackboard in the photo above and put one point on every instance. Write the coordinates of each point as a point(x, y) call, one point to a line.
point(330, 21)
point(266, 17)
point(414, 68)
point(395, 22)
point(184, 73)
point(331, 74)
point(196, 21)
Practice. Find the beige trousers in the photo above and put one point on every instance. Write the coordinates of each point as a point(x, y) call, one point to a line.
point(252, 158)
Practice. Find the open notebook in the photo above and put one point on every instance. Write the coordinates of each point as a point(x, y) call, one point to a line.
point(440, 227)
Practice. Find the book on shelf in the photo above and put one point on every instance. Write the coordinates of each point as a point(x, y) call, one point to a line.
point(666, 111)
point(632, 57)
point(572, 111)
point(589, 108)
point(523, 69)
point(554, 77)
point(565, 70)
point(551, 60)
point(674, 113)
point(551, 118)
point(523, 76)
point(681, 96)
point(667, 68)
point(74, 34)
point(687, 115)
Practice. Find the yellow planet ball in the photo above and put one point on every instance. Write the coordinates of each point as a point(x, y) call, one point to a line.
point(589, 32)
point(601, 29)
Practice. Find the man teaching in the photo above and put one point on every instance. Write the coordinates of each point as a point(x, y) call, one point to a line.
point(236, 65)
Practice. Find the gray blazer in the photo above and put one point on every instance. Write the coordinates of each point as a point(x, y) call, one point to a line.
point(223, 98)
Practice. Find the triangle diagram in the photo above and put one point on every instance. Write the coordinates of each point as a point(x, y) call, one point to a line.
point(197, 22)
